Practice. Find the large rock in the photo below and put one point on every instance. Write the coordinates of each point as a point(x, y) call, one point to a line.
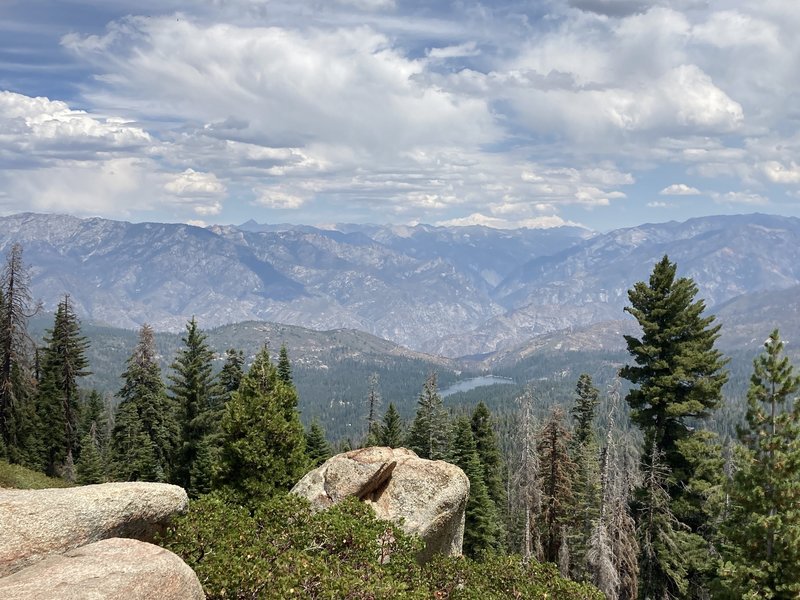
point(37, 523)
point(428, 495)
point(110, 569)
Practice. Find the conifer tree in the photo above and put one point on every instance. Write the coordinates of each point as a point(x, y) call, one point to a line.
point(134, 455)
point(89, 468)
point(262, 440)
point(230, 376)
point(482, 527)
point(58, 401)
point(197, 399)
point(318, 450)
point(584, 410)
point(525, 496)
point(556, 474)
point(763, 527)
point(490, 456)
point(678, 372)
point(373, 402)
point(284, 366)
point(144, 410)
point(429, 434)
point(390, 431)
point(18, 427)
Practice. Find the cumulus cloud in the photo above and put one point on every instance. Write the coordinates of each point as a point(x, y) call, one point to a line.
point(679, 189)
point(777, 172)
point(191, 184)
point(43, 129)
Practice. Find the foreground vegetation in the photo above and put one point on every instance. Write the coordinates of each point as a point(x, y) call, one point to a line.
point(280, 549)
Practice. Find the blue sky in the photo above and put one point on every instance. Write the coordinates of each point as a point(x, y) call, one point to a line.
point(604, 113)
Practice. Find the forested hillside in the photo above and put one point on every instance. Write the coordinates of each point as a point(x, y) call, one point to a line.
point(631, 470)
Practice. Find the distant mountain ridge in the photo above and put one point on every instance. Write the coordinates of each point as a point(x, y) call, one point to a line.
point(452, 291)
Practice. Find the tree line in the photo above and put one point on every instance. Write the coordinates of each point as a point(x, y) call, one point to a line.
point(663, 511)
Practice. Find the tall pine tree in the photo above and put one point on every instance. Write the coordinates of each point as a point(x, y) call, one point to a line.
point(58, 401)
point(197, 399)
point(390, 431)
point(482, 525)
point(677, 376)
point(763, 525)
point(145, 412)
point(18, 427)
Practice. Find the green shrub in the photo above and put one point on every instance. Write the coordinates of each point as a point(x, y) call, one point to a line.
point(283, 550)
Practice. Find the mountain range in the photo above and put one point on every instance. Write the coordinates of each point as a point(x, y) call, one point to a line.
point(451, 291)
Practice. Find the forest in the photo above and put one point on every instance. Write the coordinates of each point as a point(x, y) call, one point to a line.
point(623, 486)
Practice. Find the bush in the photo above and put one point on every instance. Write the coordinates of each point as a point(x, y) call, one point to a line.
point(283, 550)
point(16, 476)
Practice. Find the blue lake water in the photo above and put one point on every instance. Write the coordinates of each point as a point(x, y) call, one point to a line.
point(475, 382)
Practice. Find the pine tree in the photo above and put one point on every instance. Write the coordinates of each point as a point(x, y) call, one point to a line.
point(556, 474)
point(318, 450)
point(390, 432)
point(373, 402)
point(134, 455)
point(284, 366)
point(230, 376)
point(678, 372)
point(144, 410)
point(429, 434)
point(489, 453)
point(763, 527)
point(586, 487)
point(262, 441)
point(197, 399)
point(482, 527)
point(58, 401)
point(18, 429)
point(89, 468)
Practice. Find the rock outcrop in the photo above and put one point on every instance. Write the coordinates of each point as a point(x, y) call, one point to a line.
point(113, 568)
point(38, 523)
point(428, 497)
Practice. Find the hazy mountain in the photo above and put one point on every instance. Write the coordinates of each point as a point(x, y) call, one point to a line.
point(453, 291)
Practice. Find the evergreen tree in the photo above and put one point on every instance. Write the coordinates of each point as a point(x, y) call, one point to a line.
point(18, 428)
point(390, 432)
point(482, 527)
point(373, 401)
point(525, 496)
point(134, 455)
point(284, 366)
point(262, 441)
point(89, 468)
point(763, 527)
point(429, 432)
point(584, 410)
point(556, 474)
point(678, 372)
point(232, 372)
point(144, 410)
point(197, 399)
point(489, 454)
point(58, 402)
point(586, 487)
point(318, 450)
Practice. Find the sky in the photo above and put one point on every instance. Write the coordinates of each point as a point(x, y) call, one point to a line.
point(602, 113)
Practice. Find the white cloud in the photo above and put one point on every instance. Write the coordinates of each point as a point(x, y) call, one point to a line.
point(659, 204)
point(191, 184)
point(544, 222)
point(280, 199)
point(43, 129)
point(776, 172)
point(745, 197)
point(459, 51)
point(679, 189)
